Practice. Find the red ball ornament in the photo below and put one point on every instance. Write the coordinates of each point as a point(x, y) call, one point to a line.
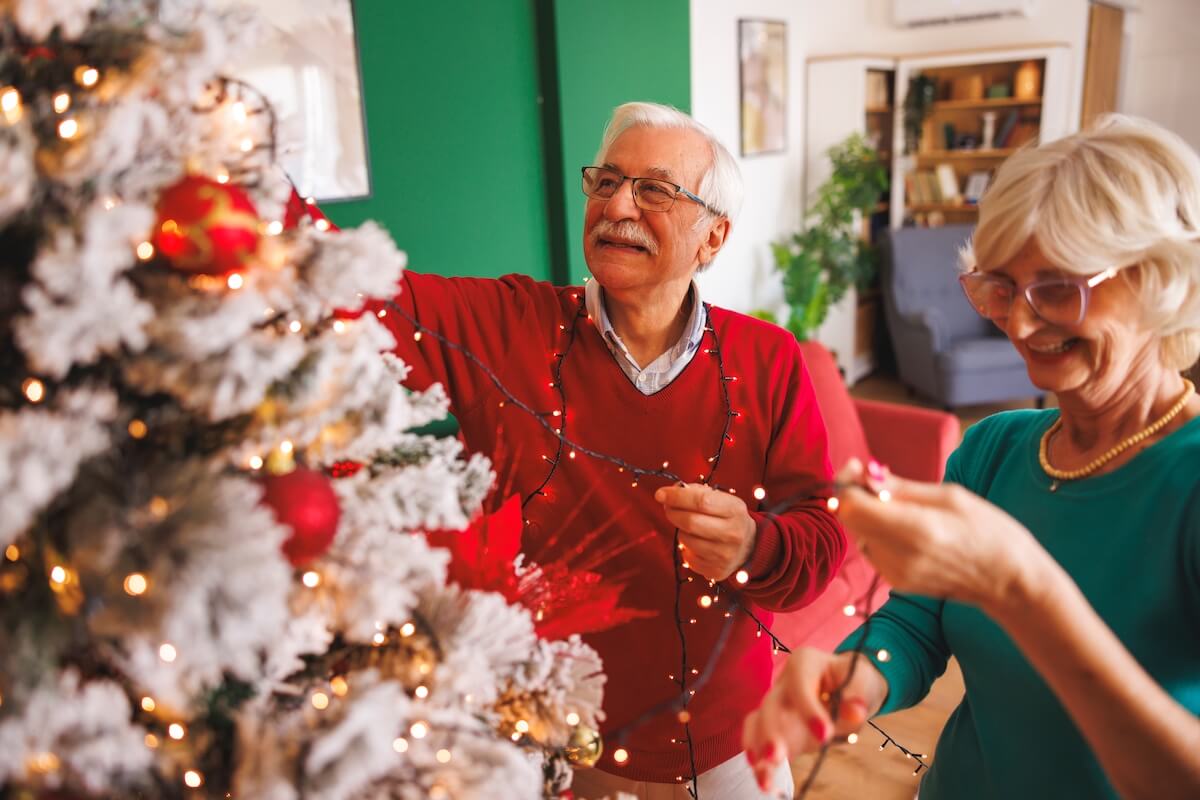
point(206, 227)
point(303, 500)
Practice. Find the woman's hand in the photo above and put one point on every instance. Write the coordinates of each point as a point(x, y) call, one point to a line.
point(795, 717)
point(939, 540)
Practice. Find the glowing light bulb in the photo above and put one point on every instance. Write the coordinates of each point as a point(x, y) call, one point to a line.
point(381, 313)
point(274, 228)
point(522, 726)
point(311, 579)
point(68, 129)
point(852, 738)
point(443, 756)
point(833, 504)
point(33, 389)
point(286, 447)
point(235, 281)
point(136, 585)
point(87, 76)
point(885, 496)
point(849, 610)
point(378, 639)
point(151, 741)
point(294, 326)
point(884, 656)
point(421, 692)
point(400, 744)
point(339, 326)
point(320, 701)
point(10, 100)
point(193, 779)
point(255, 462)
point(145, 251)
point(137, 429)
point(408, 629)
point(62, 101)
point(58, 575)
point(238, 110)
point(322, 225)
point(167, 652)
point(339, 686)
point(176, 731)
point(572, 719)
point(148, 704)
point(759, 493)
point(620, 755)
point(741, 576)
point(12, 552)
point(247, 144)
point(418, 730)
point(705, 601)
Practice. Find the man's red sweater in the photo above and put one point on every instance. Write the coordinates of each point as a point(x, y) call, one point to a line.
point(777, 441)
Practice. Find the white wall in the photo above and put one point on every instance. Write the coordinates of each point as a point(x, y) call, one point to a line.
point(743, 277)
point(744, 273)
point(1162, 62)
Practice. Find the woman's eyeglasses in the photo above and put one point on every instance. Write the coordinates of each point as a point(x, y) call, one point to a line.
point(1061, 300)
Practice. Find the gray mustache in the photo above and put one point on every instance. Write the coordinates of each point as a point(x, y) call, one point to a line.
point(625, 231)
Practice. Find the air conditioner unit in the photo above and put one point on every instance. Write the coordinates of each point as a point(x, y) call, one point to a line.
point(910, 13)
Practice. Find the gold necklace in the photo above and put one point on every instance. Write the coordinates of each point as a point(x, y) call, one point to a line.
point(1060, 475)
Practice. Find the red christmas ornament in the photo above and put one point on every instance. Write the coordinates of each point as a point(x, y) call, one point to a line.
point(206, 227)
point(303, 500)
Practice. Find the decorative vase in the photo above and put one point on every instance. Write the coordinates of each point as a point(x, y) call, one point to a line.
point(1027, 83)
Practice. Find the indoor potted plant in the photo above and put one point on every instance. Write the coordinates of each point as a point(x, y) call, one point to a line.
point(829, 256)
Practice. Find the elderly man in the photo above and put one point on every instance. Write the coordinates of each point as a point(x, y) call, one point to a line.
point(636, 366)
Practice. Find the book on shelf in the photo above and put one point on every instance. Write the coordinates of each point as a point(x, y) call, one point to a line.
point(947, 183)
point(977, 183)
point(1006, 128)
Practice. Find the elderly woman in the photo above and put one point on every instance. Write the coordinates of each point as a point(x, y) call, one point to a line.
point(1060, 563)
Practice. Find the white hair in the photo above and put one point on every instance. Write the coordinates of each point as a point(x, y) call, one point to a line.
point(1123, 192)
point(721, 185)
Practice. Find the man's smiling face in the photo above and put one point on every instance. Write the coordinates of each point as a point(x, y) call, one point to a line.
point(627, 247)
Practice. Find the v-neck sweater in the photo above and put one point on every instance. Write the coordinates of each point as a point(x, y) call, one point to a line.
point(589, 510)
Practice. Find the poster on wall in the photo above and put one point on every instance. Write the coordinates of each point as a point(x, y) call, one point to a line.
point(307, 66)
point(762, 50)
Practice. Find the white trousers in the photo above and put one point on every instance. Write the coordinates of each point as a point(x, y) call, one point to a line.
point(731, 780)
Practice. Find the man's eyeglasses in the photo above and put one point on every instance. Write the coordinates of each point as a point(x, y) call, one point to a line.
point(650, 194)
point(1061, 300)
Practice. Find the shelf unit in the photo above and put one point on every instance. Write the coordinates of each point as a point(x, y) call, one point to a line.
point(855, 94)
point(1043, 117)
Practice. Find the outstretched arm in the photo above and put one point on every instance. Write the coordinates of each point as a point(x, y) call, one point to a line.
point(945, 541)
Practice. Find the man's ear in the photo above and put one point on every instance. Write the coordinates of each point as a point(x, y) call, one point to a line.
point(711, 244)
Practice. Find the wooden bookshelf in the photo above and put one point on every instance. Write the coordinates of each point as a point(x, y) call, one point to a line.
point(962, 118)
point(944, 155)
point(984, 104)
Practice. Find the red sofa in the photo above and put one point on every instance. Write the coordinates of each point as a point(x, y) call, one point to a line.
point(913, 442)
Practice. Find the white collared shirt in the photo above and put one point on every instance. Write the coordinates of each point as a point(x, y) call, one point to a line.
point(664, 369)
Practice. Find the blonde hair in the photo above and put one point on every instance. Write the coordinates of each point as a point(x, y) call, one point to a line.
point(1123, 192)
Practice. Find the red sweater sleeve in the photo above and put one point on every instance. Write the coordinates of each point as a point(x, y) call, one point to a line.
point(484, 315)
point(800, 545)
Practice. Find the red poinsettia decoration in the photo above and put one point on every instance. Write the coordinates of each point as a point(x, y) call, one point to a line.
point(563, 600)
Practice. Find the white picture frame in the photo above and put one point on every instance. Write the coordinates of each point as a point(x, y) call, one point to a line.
point(308, 68)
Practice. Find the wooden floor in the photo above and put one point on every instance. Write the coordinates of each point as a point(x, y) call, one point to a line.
point(862, 771)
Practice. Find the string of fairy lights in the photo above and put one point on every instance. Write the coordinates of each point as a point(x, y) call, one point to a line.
point(862, 608)
point(242, 104)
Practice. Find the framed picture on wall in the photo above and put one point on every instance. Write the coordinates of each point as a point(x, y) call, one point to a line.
point(762, 58)
point(307, 66)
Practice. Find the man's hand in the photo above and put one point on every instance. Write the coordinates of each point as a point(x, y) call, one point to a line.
point(715, 529)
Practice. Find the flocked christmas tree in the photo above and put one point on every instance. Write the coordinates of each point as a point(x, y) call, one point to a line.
point(213, 578)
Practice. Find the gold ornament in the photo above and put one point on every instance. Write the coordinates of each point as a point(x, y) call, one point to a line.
point(584, 747)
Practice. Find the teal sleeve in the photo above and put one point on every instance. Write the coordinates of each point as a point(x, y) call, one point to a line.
point(908, 628)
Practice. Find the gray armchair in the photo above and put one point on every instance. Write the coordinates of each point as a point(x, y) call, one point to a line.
point(944, 350)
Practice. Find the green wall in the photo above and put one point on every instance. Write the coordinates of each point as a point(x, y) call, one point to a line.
point(454, 132)
point(479, 115)
point(610, 53)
